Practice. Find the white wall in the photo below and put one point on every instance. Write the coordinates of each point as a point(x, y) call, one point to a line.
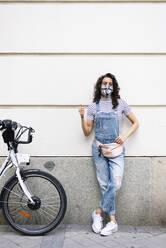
point(58, 131)
point(83, 27)
point(51, 55)
point(69, 79)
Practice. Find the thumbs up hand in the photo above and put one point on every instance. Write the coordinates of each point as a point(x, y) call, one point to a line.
point(81, 111)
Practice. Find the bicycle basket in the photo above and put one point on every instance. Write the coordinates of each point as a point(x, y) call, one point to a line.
point(23, 135)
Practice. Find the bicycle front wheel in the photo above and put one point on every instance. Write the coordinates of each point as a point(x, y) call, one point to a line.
point(48, 210)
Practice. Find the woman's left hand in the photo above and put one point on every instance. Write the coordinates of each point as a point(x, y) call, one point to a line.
point(120, 139)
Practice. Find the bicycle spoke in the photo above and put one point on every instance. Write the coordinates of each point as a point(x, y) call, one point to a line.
point(46, 212)
point(45, 217)
point(15, 194)
point(52, 210)
point(49, 204)
point(43, 199)
point(15, 202)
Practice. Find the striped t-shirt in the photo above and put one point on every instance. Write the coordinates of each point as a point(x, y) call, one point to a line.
point(105, 105)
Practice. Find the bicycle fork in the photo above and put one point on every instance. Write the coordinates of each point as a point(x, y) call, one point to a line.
point(18, 175)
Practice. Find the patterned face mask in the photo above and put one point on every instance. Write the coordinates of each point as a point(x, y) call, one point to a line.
point(106, 90)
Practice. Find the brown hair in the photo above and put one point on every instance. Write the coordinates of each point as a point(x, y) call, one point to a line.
point(115, 94)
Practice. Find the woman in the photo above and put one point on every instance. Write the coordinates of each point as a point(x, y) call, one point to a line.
point(105, 115)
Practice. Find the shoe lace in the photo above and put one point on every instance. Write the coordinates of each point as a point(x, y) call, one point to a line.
point(110, 224)
point(99, 218)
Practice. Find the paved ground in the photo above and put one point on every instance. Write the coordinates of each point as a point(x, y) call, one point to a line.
point(79, 236)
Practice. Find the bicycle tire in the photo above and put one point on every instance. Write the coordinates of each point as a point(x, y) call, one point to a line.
point(26, 208)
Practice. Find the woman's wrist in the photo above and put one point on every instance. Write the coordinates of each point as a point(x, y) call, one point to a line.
point(125, 137)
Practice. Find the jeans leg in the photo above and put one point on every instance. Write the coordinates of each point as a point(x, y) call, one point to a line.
point(102, 169)
point(116, 167)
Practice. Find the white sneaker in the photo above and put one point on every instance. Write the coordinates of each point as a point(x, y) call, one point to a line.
point(109, 228)
point(97, 222)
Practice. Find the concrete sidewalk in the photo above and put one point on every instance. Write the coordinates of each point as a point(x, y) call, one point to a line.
point(79, 236)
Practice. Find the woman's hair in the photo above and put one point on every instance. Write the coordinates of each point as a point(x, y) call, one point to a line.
point(115, 94)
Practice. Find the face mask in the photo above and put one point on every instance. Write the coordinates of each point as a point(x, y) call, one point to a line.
point(106, 90)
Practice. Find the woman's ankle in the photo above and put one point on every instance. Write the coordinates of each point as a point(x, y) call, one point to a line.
point(112, 218)
point(99, 211)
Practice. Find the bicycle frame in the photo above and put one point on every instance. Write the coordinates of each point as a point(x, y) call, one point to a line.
point(12, 161)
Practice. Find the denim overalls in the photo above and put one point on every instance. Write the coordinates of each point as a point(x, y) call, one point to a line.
point(109, 171)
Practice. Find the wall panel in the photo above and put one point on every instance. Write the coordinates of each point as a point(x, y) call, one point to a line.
point(69, 79)
point(83, 27)
point(59, 133)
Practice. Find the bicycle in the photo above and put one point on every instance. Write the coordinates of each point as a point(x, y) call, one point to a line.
point(33, 201)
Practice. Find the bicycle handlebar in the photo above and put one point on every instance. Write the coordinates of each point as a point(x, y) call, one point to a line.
point(1, 125)
point(10, 125)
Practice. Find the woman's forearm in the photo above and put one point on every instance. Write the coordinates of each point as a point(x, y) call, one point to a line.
point(131, 130)
point(84, 127)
